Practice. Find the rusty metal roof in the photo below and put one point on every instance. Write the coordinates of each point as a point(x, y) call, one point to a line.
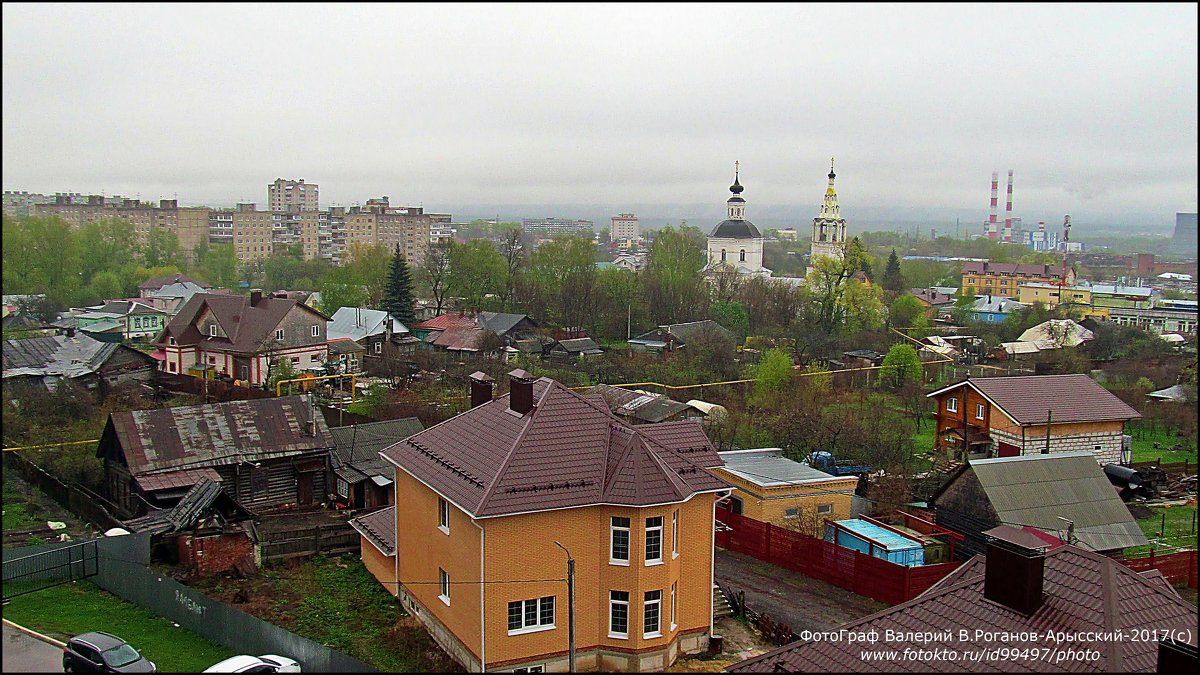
point(215, 434)
point(202, 499)
point(379, 527)
point(175, 479)
point(1082, 591)
point(356, 447)
point(1068, 398)
point(568, 451)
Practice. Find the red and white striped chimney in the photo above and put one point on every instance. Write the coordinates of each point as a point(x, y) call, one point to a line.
point(991, 230)
point(1008, 211)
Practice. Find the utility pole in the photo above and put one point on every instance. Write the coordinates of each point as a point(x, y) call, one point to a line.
point(1048, 418)
point(570, 606)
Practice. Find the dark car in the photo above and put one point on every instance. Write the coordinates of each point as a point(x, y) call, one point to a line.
point(103, 653)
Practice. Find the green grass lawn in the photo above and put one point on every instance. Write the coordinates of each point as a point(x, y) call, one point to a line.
point(1178, 531)
point(1144, 450)
point(80, 607)
point(16, 510)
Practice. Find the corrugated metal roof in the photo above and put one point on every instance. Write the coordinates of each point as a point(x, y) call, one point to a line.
point(569, 451)
point(56, 355)
point(215, 434)
point(1083, 592)
point(357, 323)
point(1058, 332)
point(379, 527)
point(1037, 490)
point(358, 446)
point(185, 515)
point(769, 468)
point(175, 479)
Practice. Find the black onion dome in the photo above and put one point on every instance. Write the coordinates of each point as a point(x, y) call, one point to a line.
point(736, 188)
point(735, 229)
point(736, 200)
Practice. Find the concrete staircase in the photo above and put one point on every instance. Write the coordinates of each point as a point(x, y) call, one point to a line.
point(721, 606)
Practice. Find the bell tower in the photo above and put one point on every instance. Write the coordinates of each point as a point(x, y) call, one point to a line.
point(829, 227)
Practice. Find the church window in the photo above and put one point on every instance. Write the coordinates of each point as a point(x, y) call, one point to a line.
point(742, 256)
point(722, 255)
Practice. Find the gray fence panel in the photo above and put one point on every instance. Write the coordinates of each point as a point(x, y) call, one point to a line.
point(123, 573)
point(33, 568)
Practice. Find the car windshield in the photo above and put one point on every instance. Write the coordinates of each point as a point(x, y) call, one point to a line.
point(122, 655)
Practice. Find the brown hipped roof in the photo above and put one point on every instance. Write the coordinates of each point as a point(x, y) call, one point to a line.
point(198, 436)
point(1082, 591)
point(1068, 398)
point(247, 326)
point(569, 451)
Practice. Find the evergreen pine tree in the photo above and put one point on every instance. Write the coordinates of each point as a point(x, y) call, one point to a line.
point(893, 280)
point(397, 294)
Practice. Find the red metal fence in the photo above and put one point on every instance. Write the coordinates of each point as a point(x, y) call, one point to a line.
point(1177, 567)
point(863, 574)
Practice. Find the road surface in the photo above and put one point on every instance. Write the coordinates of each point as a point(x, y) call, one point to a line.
point(27, 654)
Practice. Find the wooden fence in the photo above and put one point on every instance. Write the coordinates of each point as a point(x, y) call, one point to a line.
point(857, 572)
point(74, 498)
point(215, 390)
point(1185, 467)
point(300, 543)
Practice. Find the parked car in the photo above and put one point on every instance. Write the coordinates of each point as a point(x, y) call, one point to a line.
point(103, 653)
point(267, 663)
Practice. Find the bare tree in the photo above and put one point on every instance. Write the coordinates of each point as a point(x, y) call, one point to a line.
point(513, 249)
point(436, 270)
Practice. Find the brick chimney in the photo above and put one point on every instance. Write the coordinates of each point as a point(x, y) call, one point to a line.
point(255, 296)
point(481, 388)
point(1176, 656)
point(1015, 567)
point(520, 391)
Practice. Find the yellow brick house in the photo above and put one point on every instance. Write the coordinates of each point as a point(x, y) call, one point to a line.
point(771, 488)
point(490, 502)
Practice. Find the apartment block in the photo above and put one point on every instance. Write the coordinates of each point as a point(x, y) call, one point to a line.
point(19, 202)
point(190, 224)
point(624, 227)
point(545, 228)
point(292, 195)
point(991, 278)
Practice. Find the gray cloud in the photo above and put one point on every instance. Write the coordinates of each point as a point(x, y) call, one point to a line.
point(1094, 107)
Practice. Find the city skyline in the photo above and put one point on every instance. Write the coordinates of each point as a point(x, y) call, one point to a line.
point(587, 105)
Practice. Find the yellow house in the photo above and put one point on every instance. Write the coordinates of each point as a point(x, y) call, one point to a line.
point(771, 488)
point(491, 503)
point(1051, 295)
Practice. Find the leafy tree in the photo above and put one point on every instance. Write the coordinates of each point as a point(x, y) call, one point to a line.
point(906, 311)
point(620, 311)
point(220, 266)
point(672, 280)
point(106, 245)
point(41, 255)
point(733, 316)
point(106, 286)
point(476, 270)
point(368, 265)
point(893, 280)
point(562, 279)
point(901, 366)
point(772, 373)
point(341, 288)
point(280, 369)
point(161, 247)
point(398, 296)
point(829, 281)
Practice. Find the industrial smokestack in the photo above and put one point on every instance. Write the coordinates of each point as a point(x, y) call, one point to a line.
point(995, 201)
point(1008, 210)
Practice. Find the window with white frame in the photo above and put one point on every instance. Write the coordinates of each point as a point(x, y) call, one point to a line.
point(654, 527)
point(652, 614)
point(315, 331)
point(279, 334)
point(619, 551)
point(212, 330)
point(530, 669)
point(443, 515)
point(824, 509)
point(618, 614)
point(673, 624)
point(379, 347)
point(343, 488)
point(952, 404)
point(445, 582)
point(527, 616)
point(793, 512)
point(675, 534)
point(978, 411)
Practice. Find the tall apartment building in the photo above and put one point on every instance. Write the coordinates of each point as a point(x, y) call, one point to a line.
point(624, 226)
point(544, 228)
point(292, 195)
point(19, 202)
point(190, 224)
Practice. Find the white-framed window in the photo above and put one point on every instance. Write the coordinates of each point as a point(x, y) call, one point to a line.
point(445, 582)
point(793, 512)
point(952, 404)
point(279, 334)
point(379, 347)
point(823, 509)
point(652, 614)
point(443, 515)
point(530, 669)
point(618, 553)
point(296, 360)
point(675, 534)
point(343, 488)
point(528, 616)
point(978, 411)
point(654, 528)
point(212, 330)
point(314, 358)
point(618, 614)
point(673, 624)
point(315, 331)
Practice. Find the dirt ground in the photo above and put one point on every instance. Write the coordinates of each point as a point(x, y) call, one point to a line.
point(801, 602)
point(43, 509)
point(298, 518)
point(741, 643)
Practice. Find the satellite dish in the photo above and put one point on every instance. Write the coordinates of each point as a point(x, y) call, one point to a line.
point(116, 532)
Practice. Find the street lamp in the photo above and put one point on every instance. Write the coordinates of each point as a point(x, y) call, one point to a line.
point(570, 605)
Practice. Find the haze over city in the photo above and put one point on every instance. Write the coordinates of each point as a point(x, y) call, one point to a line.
point(584, 111)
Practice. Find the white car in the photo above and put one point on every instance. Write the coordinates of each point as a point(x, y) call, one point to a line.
point(267, 663)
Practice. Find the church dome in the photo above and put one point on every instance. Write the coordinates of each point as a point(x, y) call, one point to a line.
point(735, 229)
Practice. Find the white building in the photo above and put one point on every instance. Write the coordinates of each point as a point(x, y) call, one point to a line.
point(292, 195)
point(829, 227)
point(624, 226)
point(735, 243)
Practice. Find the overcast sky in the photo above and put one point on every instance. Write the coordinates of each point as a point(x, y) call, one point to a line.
point(1093, 106)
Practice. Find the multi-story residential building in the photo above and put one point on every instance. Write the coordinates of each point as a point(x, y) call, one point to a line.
point(240, 337)
point(292, 195)
point(19, 202)
point(1029, 415)
point(497, 499)
point(190, 224)
point(624, 227)
point(546, 228)
point(982, 278)
point(1052, 295)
